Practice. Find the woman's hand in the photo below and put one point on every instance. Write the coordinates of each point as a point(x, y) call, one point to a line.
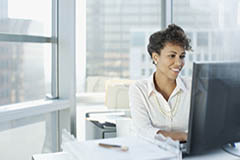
point(180, 136)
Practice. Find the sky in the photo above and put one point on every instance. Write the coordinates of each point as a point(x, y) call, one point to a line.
point(38, 10)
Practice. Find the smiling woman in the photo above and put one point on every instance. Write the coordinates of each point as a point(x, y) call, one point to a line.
point(170, 62)
point(160, 104)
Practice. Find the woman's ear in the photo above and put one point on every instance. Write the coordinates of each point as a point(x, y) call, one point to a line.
point(155, 57)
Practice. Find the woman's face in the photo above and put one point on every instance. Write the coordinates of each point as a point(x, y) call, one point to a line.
point(170, 61)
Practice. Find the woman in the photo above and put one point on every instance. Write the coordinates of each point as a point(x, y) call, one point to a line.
point(160, 104)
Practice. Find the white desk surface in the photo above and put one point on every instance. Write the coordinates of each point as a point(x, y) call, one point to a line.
point(81, 151)
point(218, 155)
point(138, 149)
point(53, 156)
point(214, 155)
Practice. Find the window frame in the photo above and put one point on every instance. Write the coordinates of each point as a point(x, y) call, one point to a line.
point(8, 37)
point(63, 88)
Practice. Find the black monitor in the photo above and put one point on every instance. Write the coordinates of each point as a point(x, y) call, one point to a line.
point(215, 106)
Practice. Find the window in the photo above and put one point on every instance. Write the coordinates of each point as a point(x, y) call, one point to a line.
point(209, 25)
point(150, 71)
point(26, 50)
point(27, 70)
point(190, 57)
point(202, 39)
point(128, 26)
point(143, 72)
point(34, 56)
point(26, 17)
point(206, 56)
point(143, 58)
point(137, 39)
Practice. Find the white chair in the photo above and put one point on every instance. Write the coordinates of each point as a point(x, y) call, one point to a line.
point(117, 98)
point(116, 91)
point(116, 101)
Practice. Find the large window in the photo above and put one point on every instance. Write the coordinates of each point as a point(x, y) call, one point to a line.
point(117, 33)
point(37, 57)
point(24, 72)
point(214, 28)
point(26, 17)
point(26, 49)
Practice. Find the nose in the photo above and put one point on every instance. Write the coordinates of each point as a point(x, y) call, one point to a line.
point(179, 61)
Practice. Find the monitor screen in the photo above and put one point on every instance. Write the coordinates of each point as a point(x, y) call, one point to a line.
point(215, 106)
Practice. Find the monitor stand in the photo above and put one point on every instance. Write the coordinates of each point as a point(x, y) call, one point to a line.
point(232, 148)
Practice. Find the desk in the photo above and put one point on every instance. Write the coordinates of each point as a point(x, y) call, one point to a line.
point(138, 149)
point(53, 156)
point(89, 150)
point(218, 154)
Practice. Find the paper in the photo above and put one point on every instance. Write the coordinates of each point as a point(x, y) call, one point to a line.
point(167, 143)
point(139, 149)
point(111, 117)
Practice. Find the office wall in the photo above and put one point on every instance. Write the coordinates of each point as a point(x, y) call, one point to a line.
point(21, 138)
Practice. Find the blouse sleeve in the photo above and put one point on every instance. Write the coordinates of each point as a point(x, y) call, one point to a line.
point(140, 117)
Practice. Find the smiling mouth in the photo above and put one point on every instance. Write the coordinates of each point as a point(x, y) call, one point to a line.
point(176, 70)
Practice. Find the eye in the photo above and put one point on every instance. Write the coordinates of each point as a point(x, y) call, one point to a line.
point(172, 55)
point(182, 56)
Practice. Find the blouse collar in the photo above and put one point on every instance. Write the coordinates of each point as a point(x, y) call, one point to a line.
point(152, 89)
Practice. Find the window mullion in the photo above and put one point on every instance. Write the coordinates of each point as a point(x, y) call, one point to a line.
point(25, 38)
point(167, 17)
point(55, 71)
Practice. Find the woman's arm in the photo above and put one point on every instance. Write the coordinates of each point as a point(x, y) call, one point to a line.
point(140, 116)
point(180, 136)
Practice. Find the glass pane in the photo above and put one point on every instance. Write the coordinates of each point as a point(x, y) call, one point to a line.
point(26, 17)
point(25, 70)
point(22, 138)
point(117, 33)
point(213, 26)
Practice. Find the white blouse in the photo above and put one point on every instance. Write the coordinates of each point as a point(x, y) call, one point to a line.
point(151, 112)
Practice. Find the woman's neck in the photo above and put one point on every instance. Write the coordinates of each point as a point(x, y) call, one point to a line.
point(164, 85)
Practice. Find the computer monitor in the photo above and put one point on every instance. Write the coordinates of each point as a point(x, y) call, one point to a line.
point(215, 106)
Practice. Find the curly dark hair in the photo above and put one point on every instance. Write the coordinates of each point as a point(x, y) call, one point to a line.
point(172, 34)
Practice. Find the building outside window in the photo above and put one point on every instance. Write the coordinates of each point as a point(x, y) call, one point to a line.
point(214, 27)
point(116, 37)
point(26, 65)
point(209, 24)
point(36, 59)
